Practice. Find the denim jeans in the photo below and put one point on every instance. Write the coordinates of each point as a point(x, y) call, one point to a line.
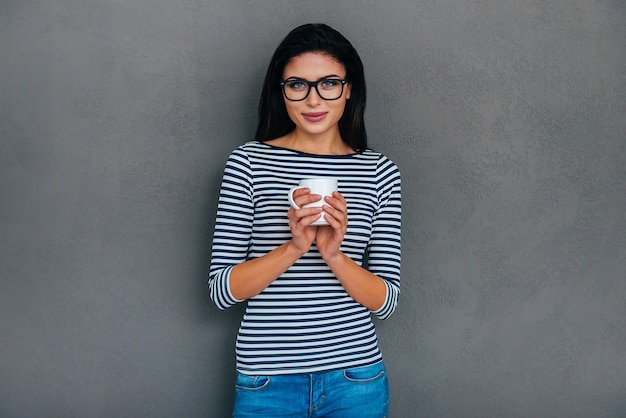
point(360, 392)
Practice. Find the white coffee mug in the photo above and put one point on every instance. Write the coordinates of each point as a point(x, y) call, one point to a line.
point(321, 186)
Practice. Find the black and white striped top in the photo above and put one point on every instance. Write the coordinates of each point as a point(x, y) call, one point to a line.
point(305, 321)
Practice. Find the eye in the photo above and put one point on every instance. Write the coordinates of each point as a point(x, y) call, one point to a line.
point(297, 85)
point(329, 83)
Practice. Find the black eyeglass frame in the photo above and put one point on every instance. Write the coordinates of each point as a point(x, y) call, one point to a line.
point(312, 84)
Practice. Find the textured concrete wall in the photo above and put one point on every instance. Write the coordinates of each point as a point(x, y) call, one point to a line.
point(506, 118)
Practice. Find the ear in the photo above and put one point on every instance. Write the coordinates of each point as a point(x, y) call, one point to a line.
point(349, 90)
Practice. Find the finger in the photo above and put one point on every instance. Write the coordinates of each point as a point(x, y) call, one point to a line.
point(301, 191)
point(299, 213)
point(336, 197)
point(334, 217)
point(307, 212)
point(308, 220)
point(339, 196)
point(301, 218)
point(303, 196)
point(338, 227)
point(336, 204)
point(307, 198)
point(291, 214)
point(332, 222)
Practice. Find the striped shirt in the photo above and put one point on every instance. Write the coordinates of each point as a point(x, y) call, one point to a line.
point(305, 321)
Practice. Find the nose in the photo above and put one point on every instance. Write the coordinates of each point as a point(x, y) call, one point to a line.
point(313, 99)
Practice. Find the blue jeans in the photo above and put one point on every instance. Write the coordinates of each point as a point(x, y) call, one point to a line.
point(360, 392)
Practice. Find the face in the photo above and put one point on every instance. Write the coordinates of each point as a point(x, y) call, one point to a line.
point(314, 115)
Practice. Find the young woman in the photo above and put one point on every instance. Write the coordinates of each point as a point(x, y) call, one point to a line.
point(307, 346)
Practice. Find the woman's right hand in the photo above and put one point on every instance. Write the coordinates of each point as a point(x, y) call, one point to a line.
point(300, 220)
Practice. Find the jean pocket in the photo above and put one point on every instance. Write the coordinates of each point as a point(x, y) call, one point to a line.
point(252, 383)
point(365, 374)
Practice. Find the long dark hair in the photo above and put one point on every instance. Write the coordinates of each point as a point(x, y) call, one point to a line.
point(274, 121)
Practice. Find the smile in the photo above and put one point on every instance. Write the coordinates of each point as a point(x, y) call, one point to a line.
point(314, 117)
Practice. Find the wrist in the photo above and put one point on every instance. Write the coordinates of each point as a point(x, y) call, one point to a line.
point(334, 261)
point(293, 250)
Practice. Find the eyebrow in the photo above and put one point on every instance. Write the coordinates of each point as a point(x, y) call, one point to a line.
point(321, 78)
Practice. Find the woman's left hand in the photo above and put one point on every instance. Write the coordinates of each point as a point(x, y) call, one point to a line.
point(328, 238)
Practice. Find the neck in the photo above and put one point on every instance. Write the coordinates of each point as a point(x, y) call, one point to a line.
point(327, 143)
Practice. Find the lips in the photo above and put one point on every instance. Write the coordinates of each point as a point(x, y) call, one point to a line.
point(314, 116)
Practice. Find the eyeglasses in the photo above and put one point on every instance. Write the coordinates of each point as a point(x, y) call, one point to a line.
point(297, 89)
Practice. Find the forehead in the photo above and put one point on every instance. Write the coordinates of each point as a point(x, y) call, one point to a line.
point(312, 66)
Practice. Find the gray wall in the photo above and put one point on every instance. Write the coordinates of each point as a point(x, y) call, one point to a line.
point(505, 117)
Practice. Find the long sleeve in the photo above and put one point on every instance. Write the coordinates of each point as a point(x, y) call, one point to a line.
point(233, 227)
point(385, 243)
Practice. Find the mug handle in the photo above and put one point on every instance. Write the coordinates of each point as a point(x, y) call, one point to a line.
point(290, 197)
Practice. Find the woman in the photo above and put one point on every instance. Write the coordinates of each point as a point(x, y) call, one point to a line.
point(307, 345)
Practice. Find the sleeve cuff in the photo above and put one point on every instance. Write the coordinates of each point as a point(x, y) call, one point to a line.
point(389, 306)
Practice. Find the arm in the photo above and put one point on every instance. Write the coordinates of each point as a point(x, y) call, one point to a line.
point(249, 278)
point(233, 277)
point(233, 227)
point(362, 285)
point(377, 287)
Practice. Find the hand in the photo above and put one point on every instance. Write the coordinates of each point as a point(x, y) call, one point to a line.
point(329, 238)
point(300, 220)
